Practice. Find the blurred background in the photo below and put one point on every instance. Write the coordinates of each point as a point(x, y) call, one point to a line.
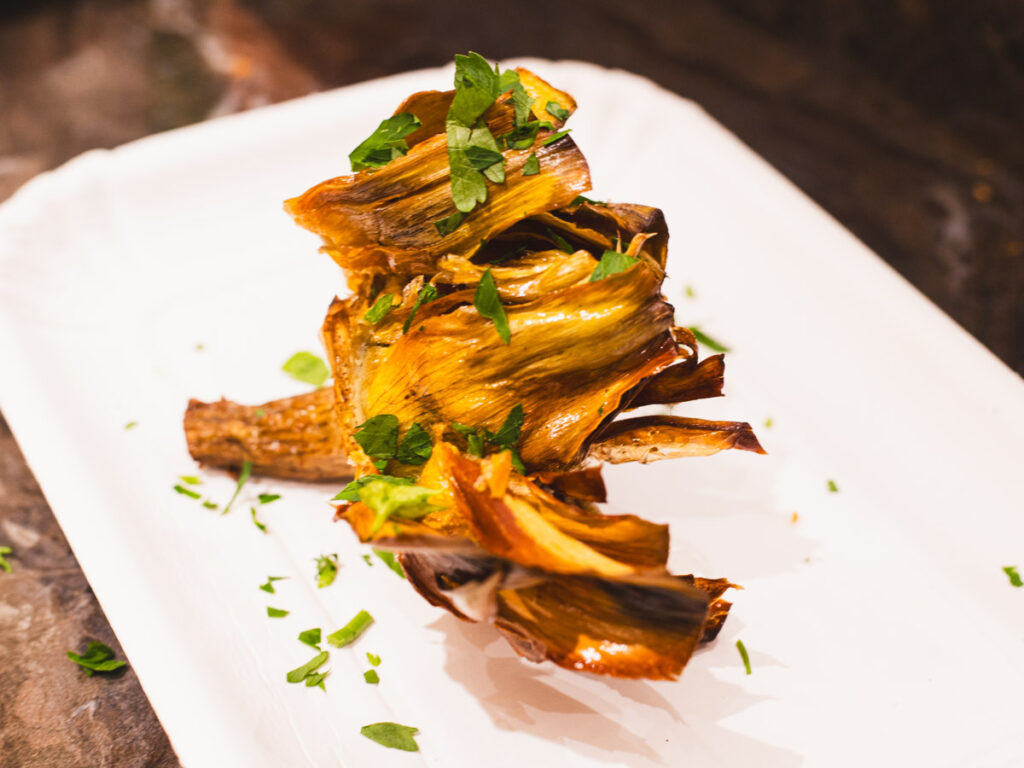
point(902, 118)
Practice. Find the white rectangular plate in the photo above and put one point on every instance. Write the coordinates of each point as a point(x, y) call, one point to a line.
point(880, 625)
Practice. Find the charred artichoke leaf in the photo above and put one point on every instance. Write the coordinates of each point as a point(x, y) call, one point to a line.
point(385, 221)
point(681, 383)
point(574, 353)
point(650, 438)
point(297, 438)
point(525, 277)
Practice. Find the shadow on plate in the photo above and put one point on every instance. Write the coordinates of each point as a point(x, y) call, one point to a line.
point(670, 724)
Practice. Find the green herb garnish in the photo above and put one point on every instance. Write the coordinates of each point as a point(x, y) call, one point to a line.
point(707, 341)
point(1013, 576)
point(380, 308)
point(473, 437)
point(259, 413)
point(415, 447)
point(510, 430)
point(832, 487)
point(326, 570)
point(555, 137)
point(581, 199)
point(390, 560)
point(190, 479)
point(243, 476)
point(387, 499)
point(367, 560)
point(378, 436)
point(256, 522)
point(743, 655)
point(690, 294)
point(276, 613)
point(768, 423)
point(311, 637)
point(269, 586)
point(532, 165)
point(187, 492)
point(373, 658)
point(371, 676)
point(392, 735)
point(427, 294)
point(351, 491)
point(386, 143)
point(131, 424)
point(266, 498)
point(316, 679)
point(351, 631)
point(612, 263)
point(210, 504)
point(299, 674)
point(449, 224)
point(307, 367)
point(557, 111)
point(560, 242)
point(98, 658)
point(488, 304)
point(3, 561)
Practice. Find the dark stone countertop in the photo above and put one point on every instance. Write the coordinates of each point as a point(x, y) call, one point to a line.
point(902, 119)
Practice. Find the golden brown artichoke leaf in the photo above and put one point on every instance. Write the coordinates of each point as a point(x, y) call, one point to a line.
point(297, 438)
point(651, 438)
point(384, 221)
point(574, 354)
point(681, 382)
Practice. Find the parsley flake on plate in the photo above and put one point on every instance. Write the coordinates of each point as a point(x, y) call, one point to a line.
point(392, 735)
point(371, 676)
point(307, 368)
point(255, 520)
point(269, 586)
point(276, 613)
point(131, 424)
point(351, 631)
point(187, 492)
point(300, 673)
point(832, 487)
point(373, 658)
point(1013, 576)
point(243, 477)
point(311, 637)
point(266, 498)
point(743, 655)
point(390, 559)
point(326, 570)
point(707, 341)
point(98, 657)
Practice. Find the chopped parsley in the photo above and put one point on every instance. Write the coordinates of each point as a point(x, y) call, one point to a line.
point(707, 341)
point(243, 477)
point(266, 498)
point(351, 491)
point(532, 165)
point(581, 199)
point(390, 560)
point(378, 436)
point(373, 658)
point(449, 224)
point(690, 294)
point(368, 561)
point(508, 433)
point(190, 479)
point(97, 658)
point(611, 263)
point(743, 655)
point(276, 613)
point(560, 242)
point(387, 499)
point(768, 423)
point(316, 679)
point(415, 447)
point(256, 522)
point(557, 111)
point(3, 561)
point(307, 367)
point(299, 674)
point(210, 504)
point(427, 294)
point(131, 424)
point(473, 437)
point(505, 438)
point(488, 304)
point(555, 137)
point(351, 631)
point(385, 144)
point(1013, 576)
point(311, 637)
point(259, 413)
point(326, 570)
point(371, 676)
point(392, 735)
point(832, 487)
point(187, 492)
point(380, 309)
point(269, 586)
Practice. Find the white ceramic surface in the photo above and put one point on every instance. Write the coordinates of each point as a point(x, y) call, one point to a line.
point(881, 628)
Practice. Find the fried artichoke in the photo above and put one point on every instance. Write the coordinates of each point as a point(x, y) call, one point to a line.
point(480, 364)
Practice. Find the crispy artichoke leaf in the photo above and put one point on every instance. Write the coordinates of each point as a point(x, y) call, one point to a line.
point(385, 221)
point(573, 355)
point(297, 438)
point(522, 278)
point(681, 383)
point(650, 438)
